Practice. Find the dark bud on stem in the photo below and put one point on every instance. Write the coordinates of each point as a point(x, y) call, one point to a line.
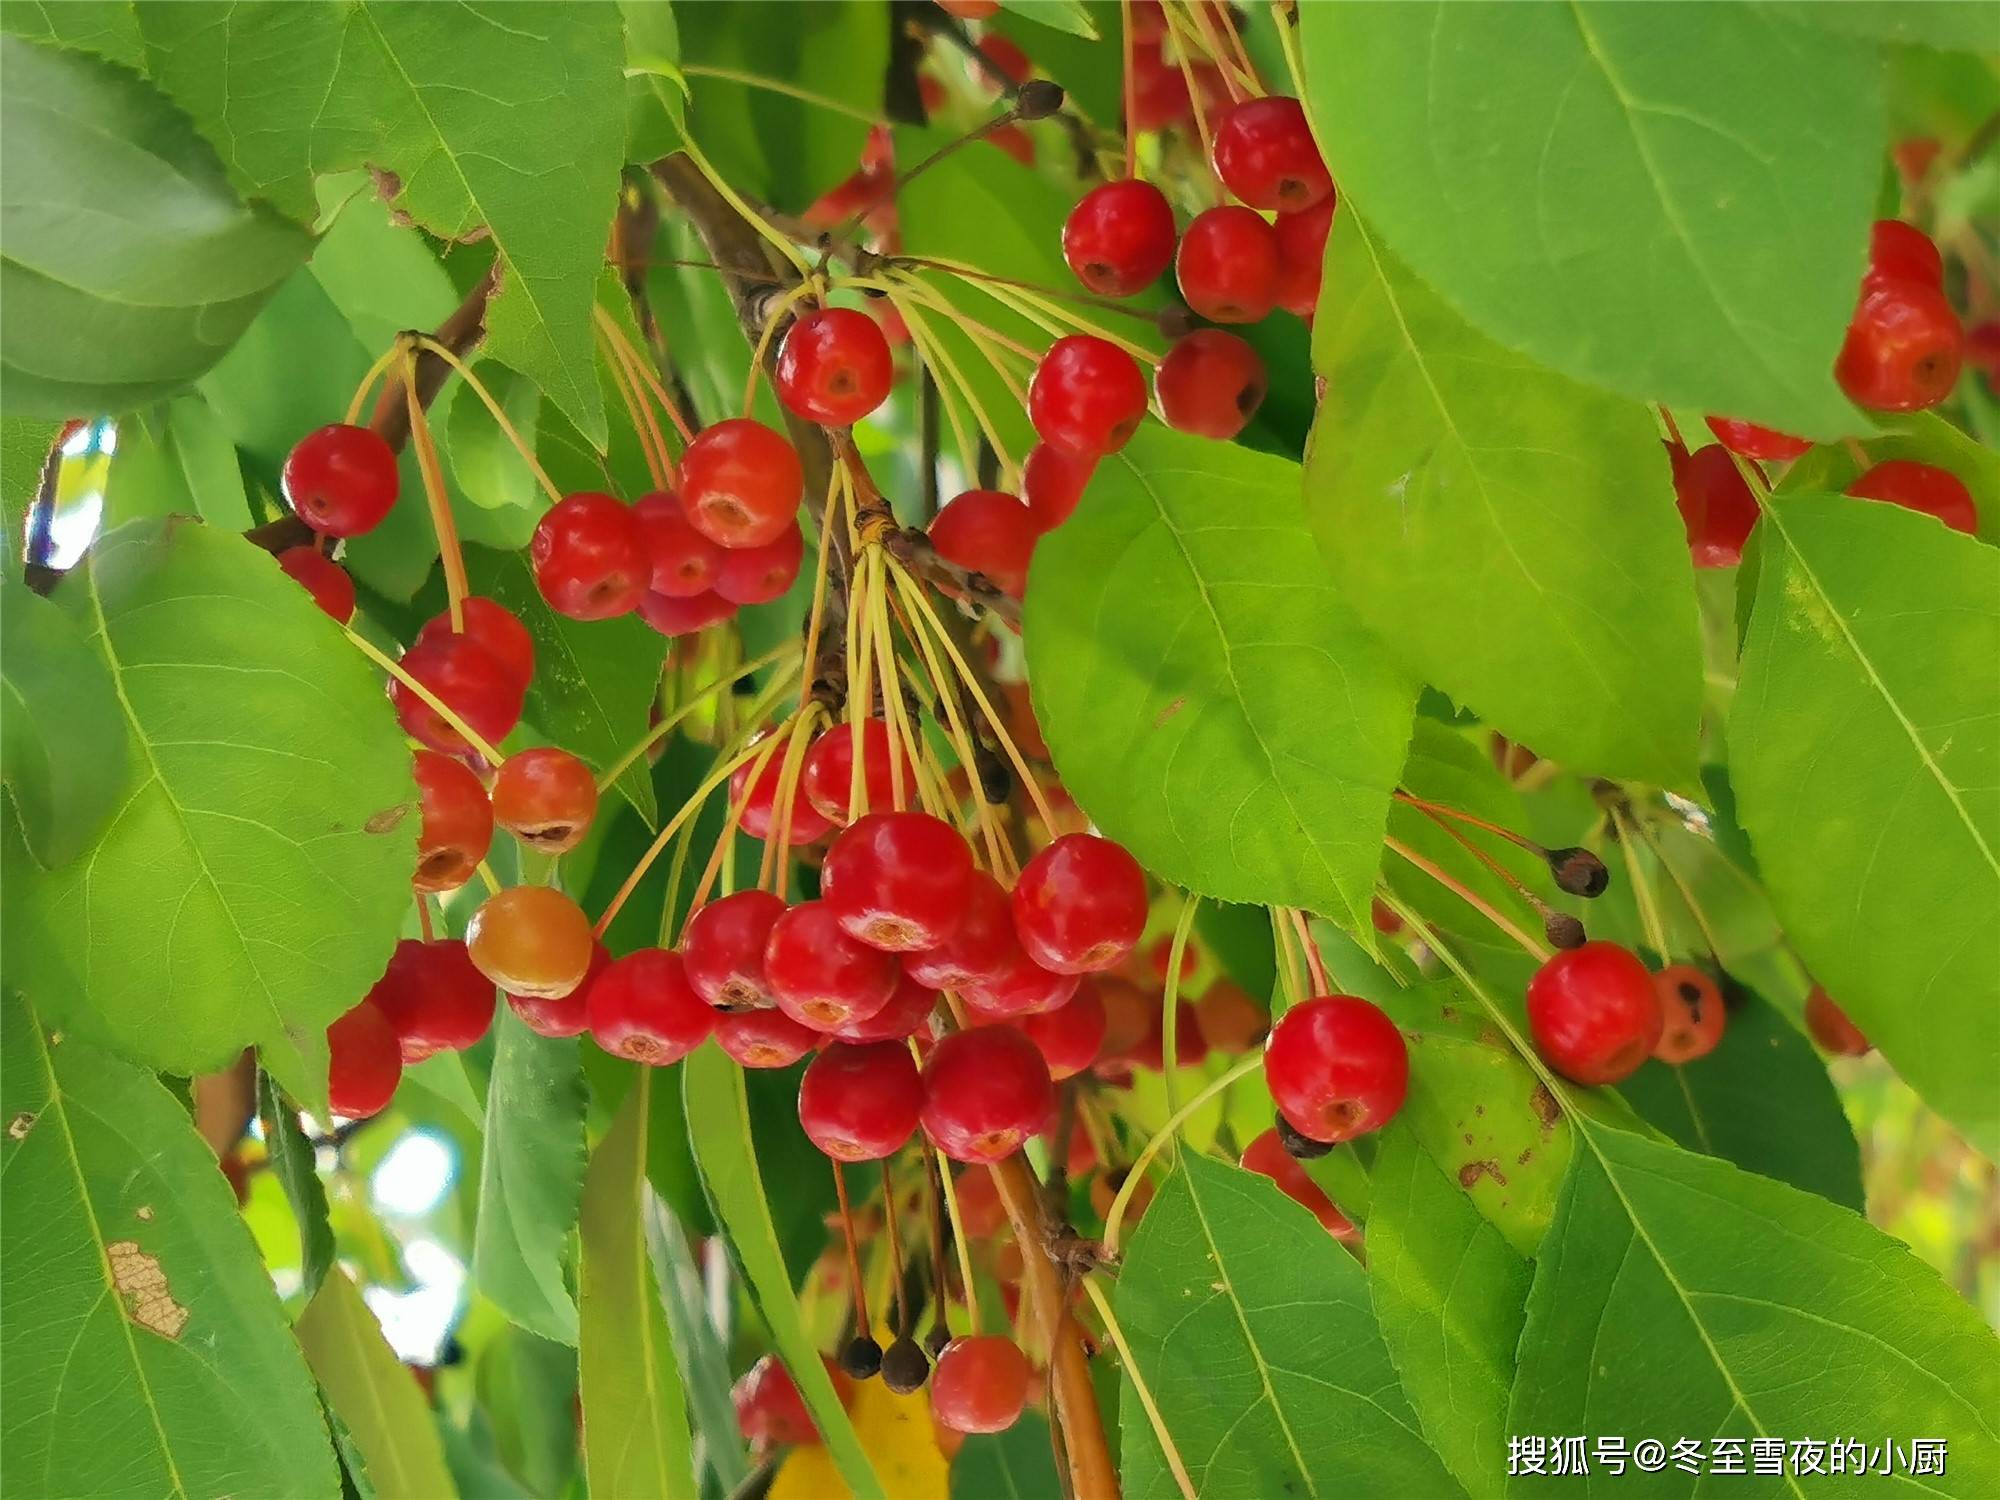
point(1579, 872)
point(1037, 99)
point(1174, 321)
point(1300, 1147)
point(904, 1367)
point(936, 1339)
point(1563, 929)
point(862, 1357)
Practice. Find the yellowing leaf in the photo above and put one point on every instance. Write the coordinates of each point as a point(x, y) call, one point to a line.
point(896, 1431)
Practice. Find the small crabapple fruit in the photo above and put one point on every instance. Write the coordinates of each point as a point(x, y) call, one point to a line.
point(531, 940)
point(1070, 1036)
point(990, 532)
point(675, 617)
point(1265, 154)
point(1052, 482)
point(642, 1008)
point(590, 557)
point(434, 997)
point(1230, 1021)
point(1594, 1013)
point(1301, 237)
point(1831, 1028)
point(496, 629)
point(684, 562)
point(364, 1063)
point(1903, 348)
point(1267, 1157)
point(1920, 487)
point(457, 822)
point(1019, 987)
point(977, 948)
point(1717, 509)
point(1119, 237)
point(723, 946)
point(319, 575)
point(764, 1038)
point(341, 479)
point(569, 1015)
point(1080, 905)
point(980, 1383)
point(1337, 1067)
point(467, 679)
point(740, 483)
point(1087, 396)
point(986, 1091)
point(1210, 384)
point(1227, 265)
point(757, 575)
point(546, 798)
point(1902, 252)
point(834, 366)
point(820, 975)
point(759, 801)
point(898, 881)
point(1691, 1012)
point(828, 776)
point(860, 1101)
point(1752, 441)
point(904, 1016)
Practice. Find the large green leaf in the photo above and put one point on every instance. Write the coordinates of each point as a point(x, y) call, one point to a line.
point(25, 443)
point(1450, 1294)
point(293, 1163)
point(1509, 533)
point(109, 28)
point(1017, 1464)
point(372, 1392)
point(698, 1352)
point(635, 1431)
point(255, 878)
point(1677, 1296)
point(1203, 688)
point(1591, 183)
point(530, 1177)
point(176, 460)
point(134, 1313)
point(130, 265)
point(62, 734)
point(1865, 754)
point(1924, 23)
point(718, 1114)
point(1252, 1330)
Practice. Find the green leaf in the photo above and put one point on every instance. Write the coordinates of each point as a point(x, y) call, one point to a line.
point(487, 467)
point(375, 1396)
point(527, 1386)
point(130, 265)
point(1202, 687)
point(1494, 522)
point(1679, 1296)
point(62, 737)
point(257, 873)
point(1017, 1464)
point(635, 1433)
point(1762, 1100)
point(109, 28)
point(1071, 16)
point(180, 462)
point(698, 1353)
point(1865, 753)
point(1588, 183)
point(1251, 1328)
point(134, 1314)
point(718, 1114)
point(1923, 436)
point(1090, 70)
point(1450, 1294)
point(293, 1164)
point(530, 1177)
point(25, 445)
point(1947, 24)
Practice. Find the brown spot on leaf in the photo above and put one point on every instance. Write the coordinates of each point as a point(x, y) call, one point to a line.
point(1449, 1012)
point(1525, 1157)
point(1472, 1171)
point(20, 1125)
point(1169, 711)
point(387, 818)
point(143, 1284)
point(145, 1212)
point(1543, 1103)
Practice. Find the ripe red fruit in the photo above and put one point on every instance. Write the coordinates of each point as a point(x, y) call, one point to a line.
point(769, 1408)
point(496, 629)
point(1267, 1157)
point(1265, 154)
point(570, 1015)
point(1019, 987)
point(643, 1008)
point(340, 479)
point(1006, 55)
point(1902, 252)
point(764, 1038)
point(1903, 348)
point(1338, 1067)
point(1227, 265)
point(326, 580)
point(1087, 396)
point(1052, 483)
point(969, 10)
point(898, 881)
point(363, 1064)
point(1982, 350)
point(740, 483)
point(760, 801)
point(834, 366)
point(684, 562)
point(723, 947)
point(531, 940)
point(457, 822)
point(1301, 237)
point(828, 777)
point(1934, 491)
point(546, 798)
point(905, 1014)
point(590, 558)
point(1691, 1012)
point(1831, 1028)
point(433, 997)
point(674, 617)
point(468, 680)
point(986, 1091)
point(1752, 441)
point(1716, 506)
point(1159, 89)
point(1129, 1015)
point(1229, 1020)
point(1211, 384)
point(978, 946)
point(821, 976)
point(1119, 237)
point(980, 1384)
point(1080, 905)
point(1190, 1046)
point(860, 1101)
point(1070, 1036)
point(1594, 1013)
point(990, 532)
point(757, 575)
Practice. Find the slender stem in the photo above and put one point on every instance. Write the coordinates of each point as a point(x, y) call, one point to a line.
point(647, 374)
point(1223, 21)
point(859, 1291)
point(749, 215)
point(651, 444)
point(1291, 970)
point(778, 86)
point(1534, 950)
point(1161, 1434)
point(939, 356)
point(1170, 996)
point(667, 725)
point(715, 778)
point(950, 1191)
point(442, 522)
point(478, 388)
point(1680, 885)
point(375, 372)
point(1642, 889)
point(1114, 1221)
point(1288, 42)
point(1513, 881)
point(1439, 810)
point(430, 700)
point(1183, 61)
point(1315, 965)
point(1131, 91)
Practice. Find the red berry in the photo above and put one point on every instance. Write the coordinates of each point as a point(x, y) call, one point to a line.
point(820, 976)
point(1265, 154)
point(1211, 384)
point(740, 483)
point(531, 940)
point(643, 1008)
point(469, 681)
point(860, 1101)
point(1692, 1017)
point(764, 1038)
point(986, 1091)
point(1716, 506)
point(769, 1409)
point(590, 558)
point(1982, 350)
point(1902, 252)
point(363, 1063)
point(977, 948)
point(673, 617)
point(1013, 140)
point(828, 777)
point(1129, 1014)
point(723, 947)
point(1070, 1036)
point(990, 532)
point(457, 822)
point(341, 480)
point(1301, 240)
point(1267, 1157)
point(969, 10)
point(685, 562)
point(898, 881)
point(980, 1384)
point(434, 997)
point(1752, 441)
point(1924, 487)
point(1159, 89)
point(1190, 1045)
point(496, 629)
point(1080, 905)
point(905, 1014)
point(1119, 237)
point(1831, 1028)
point(1594, 1013)
point(1903, 348)
point(757, 575)
point(1227, 265)
point(1337, 1067)
point(1229, 1020)
point(1052, 483)
point(1019, 987)
point(1006, 55)
point(569, 1015)
point(760, 801)
point(326, 580)
point(546, 798)
point(834, 366)
point(1087, 396)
